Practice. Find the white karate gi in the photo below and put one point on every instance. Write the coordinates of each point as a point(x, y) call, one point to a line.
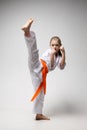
point(35, 68)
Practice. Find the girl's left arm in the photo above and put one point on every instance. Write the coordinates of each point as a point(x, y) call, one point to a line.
point(62, 62)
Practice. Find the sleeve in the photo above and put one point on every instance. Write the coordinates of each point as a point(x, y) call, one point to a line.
point(45, 55)
point(59, 65)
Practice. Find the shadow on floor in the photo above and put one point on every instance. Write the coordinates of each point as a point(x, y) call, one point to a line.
point(65, 108)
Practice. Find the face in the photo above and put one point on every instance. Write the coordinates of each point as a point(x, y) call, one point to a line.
point(55, 45)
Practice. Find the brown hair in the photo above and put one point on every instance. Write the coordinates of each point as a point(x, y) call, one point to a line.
point(57, 38)
point(59, 41)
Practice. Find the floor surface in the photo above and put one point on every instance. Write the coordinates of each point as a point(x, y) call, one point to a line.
point(23, 120)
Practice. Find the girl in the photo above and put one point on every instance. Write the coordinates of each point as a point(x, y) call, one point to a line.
point(39, 67)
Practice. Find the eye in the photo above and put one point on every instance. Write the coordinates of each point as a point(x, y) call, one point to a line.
point(52, 44)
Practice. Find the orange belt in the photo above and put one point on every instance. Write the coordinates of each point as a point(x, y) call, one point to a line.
point(43, 83)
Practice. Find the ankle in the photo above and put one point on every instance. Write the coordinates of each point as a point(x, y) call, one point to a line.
point(38, 114)
point(27, 34)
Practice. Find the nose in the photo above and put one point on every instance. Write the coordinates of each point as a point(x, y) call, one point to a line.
point(54, 47)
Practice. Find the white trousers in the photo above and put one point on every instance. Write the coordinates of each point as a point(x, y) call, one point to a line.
point(35, 68)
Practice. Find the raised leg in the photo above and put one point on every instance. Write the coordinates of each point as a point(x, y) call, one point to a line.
point(34, 64)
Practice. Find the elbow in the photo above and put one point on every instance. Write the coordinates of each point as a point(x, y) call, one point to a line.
point(62, 66)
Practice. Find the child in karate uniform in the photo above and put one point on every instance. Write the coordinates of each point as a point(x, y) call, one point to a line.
point(39, 67)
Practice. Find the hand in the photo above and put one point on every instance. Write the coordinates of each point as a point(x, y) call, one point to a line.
point(53, 51)
point(62, 49)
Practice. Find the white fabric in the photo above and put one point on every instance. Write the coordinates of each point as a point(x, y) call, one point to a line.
point(46, 58)
point(35, 68)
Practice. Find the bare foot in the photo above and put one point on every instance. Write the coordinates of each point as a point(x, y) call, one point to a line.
point(41, 117)
point(27, 25)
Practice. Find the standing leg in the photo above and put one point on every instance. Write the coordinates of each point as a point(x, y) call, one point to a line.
point(35, 67)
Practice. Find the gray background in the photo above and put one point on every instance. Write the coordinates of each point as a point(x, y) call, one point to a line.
point(67, 89)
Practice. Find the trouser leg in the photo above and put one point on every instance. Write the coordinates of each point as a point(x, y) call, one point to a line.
point(38, 103)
